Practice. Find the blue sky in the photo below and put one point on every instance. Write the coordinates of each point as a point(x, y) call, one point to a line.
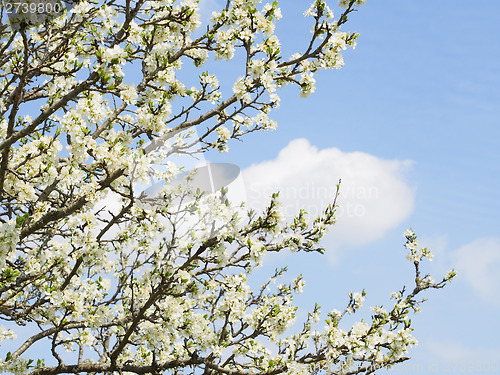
point(415, 113)
point(411, 125)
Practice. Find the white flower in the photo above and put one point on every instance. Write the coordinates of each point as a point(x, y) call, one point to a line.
point(345, 3)
point(184, 276)
point(134, 32)
point(240, 90)
point(114, 55)
point(429, 255)
point(379, 310)
point(210, 80)
point(81, 7)
point(450, 275)
point(359, 329)
point(224, 133)
point(408, 233)
point(6, 334)
point(9, 236)
point(412, 245)
point(358, 299)
point(128, 93)
point(307, 84)
point(395, 295)
point(427, 281)
point(256, 67)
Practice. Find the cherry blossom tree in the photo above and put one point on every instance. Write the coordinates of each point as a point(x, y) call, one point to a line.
point(92, 106)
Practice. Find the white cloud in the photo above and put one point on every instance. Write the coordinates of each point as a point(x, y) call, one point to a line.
point(478, 262)
point(374, 195)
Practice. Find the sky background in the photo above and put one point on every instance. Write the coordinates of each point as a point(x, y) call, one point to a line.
point(411, 125)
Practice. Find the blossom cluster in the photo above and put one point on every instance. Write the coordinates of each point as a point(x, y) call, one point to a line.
point(133, 283)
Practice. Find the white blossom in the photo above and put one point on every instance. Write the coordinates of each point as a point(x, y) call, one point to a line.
point(113, 251)
point(128, 94)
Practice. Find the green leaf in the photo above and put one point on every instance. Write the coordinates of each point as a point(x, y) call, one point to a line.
point(20, 220)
